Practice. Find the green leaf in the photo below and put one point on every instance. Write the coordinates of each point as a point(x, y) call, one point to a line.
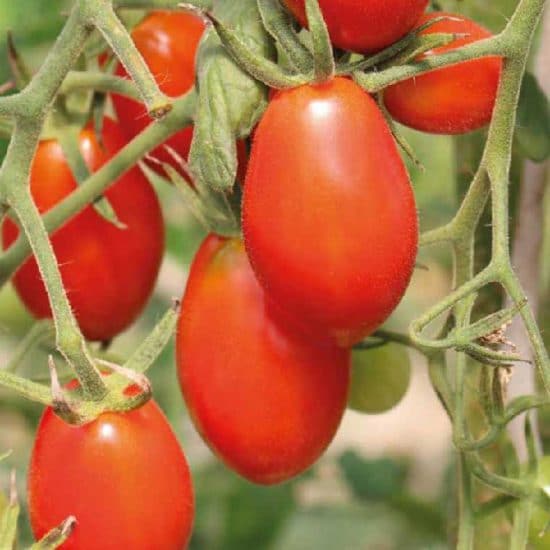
point(533, 120)
point(254, 514)
point(230, 100)
point(379, 479)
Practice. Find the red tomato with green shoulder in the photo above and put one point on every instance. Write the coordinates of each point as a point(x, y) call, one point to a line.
point(452, 100)
point(329, 217)
point(364, 25)
point(123, 476)
point(266, 400)
point(168, 42)
point(108, 272)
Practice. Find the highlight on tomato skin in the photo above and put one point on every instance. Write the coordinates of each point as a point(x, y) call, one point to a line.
point(364, 26)
point(97, 260)
point(329, 216)
point(451, 100)
point(267, 401)
point(123, 476)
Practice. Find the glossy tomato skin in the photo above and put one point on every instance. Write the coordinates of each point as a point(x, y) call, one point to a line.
point(168, 42)
point(453, 100)
point(329, 217)
point(109, 273)
point(267, 401)
point(364, 25)
point(123, 476)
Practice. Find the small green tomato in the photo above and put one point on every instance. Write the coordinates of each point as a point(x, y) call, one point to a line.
point(380, 378)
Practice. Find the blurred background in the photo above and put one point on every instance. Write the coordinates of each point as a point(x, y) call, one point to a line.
point(387, 480)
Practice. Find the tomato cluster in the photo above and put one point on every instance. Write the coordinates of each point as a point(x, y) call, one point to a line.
point(268, 322)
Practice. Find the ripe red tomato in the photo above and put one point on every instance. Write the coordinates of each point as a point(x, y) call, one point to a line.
point(123, 476)
point(453, 100)
point(267, 401)
point(168, 42)
point(364, 25)
point(109, 273)
point(329, 217)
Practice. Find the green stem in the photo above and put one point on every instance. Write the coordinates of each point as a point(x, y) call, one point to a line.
point(323, 58)
point(520, 530)
point(37, 97)
point(376, 81)
point(255, 64)
point(101, 14)
point(99, 181)
point(102, 82)
point(26, 388)
point(466, 526)
point(70, 341)
point(150, 349)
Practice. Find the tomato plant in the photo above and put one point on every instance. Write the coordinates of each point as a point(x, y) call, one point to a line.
point(364, 26)
point(265, 409)
point(123, 476)
point(326, 173)
point(452, 100)
point(98, 260)
point(380, 378)
point(168, 41)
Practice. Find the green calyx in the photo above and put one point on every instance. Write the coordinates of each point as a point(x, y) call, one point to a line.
point(308, 57)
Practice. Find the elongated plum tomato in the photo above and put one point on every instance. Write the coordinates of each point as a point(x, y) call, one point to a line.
point(168, 42)
point(453, 100)
point(109, 272)
point(329, 217)
point(123, 476)
point(364, 25)
point(267, 401)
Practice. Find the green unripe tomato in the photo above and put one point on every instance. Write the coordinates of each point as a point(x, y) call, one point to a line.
point(539, 518)
point(380, 378)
